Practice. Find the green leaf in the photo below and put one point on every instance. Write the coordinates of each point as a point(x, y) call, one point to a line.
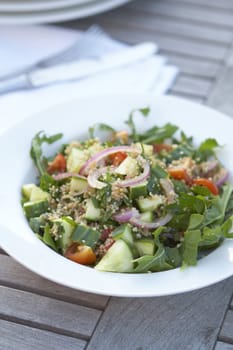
point(190, 247)
point(48, 240)
point(195, 221)
point(130, 122)
point(216, 212)
point(208, 145)
point(36, 149)
point(101, 127)
point(158, 134)
point(46, 181)
point(211, 238)
point(193, 203)
point(227, 228)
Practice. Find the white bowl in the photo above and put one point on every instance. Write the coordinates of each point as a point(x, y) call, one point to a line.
point(73, 119)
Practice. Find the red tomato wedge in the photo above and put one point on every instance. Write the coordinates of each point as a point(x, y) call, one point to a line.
point(161, 147)
point(57, 165)
point(81, 254)
point(117, 158)
point(207, 183)
point(180, 174)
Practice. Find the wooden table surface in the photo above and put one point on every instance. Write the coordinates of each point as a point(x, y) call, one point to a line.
point(197, 36)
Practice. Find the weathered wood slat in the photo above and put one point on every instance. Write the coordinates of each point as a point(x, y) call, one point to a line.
point(195, 67)
point(167, 26)
point(47, 313)
point(223, 346)
point(13, 275)
point(192, 86)
point(223, 4)
point(221, 94)
point(187, 321)
point(185, 12)
point(226, 333)
point(16, 336)
point(174, 45)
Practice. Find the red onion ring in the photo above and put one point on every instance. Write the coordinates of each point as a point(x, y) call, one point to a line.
point(136, 221)
point(95, 174)
point(168, 188)
point(106, 152)
point(62, 176)
point(221, 177)
point(126, 215)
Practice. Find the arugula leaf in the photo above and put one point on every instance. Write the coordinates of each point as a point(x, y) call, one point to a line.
point(102, 127)
point(46, 181)
point(47, 238)
point(158, 134)
point(195, 221)
point(211, 238)
point(208, 145)
point(130, 122)
point(156, 262)
point(36, 149)
point(190, 247)
point(216, 212)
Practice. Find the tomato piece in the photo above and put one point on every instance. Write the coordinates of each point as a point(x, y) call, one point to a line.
point(180, 174)
point(161, 147)
point(57, 165)
point(207, 183)
point(117, 158)
point(81, 254)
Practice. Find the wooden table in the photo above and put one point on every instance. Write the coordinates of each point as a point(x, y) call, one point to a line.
point(197, 36)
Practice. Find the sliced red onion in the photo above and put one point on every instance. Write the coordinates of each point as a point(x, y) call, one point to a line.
point(126, 215)
point(208, 166)
point(136, 221)
point(95, 174)
point(140, 178)
point(106, 152)
point(221, 177)
point(62, 176)
point(168, 188)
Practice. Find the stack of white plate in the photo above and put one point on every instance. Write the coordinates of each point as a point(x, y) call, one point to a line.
point(47, 11)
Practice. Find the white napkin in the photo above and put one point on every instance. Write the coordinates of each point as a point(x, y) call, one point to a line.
point(21, 46)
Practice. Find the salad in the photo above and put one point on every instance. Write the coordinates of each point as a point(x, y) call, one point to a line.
point(130, 202)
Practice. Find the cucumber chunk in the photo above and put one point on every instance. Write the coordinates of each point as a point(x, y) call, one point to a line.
point(145, 246)
point(34, 193)
point(76, 159)
point(92, 213)
point(33, 209)
point(118, 258)
point(138, 190)
point(149, 203)
point(66, 227)
point(86, 235)
point(148, 216)
point(78, 184)
point(123, 232)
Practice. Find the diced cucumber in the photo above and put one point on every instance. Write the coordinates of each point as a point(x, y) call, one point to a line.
point(27, 189)
point(123, 232)
point(34, 209)
point(92, 213)
point(138, 190)
point(66, 227)
point(118, 258)
point(149, 203)
point(147, 150)
point(129, 167)
point(78, 184)
point(37, 194)
point(35, 224)
point(76, 159)
point(86, 235)
point(145, 246)
point(34, 193)
point(148, 216)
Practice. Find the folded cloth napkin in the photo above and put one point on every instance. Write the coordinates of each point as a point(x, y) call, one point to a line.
point(22, 46)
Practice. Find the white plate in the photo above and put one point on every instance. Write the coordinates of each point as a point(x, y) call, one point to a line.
point(38, 5)
point(59, 14)
point(73, 119)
